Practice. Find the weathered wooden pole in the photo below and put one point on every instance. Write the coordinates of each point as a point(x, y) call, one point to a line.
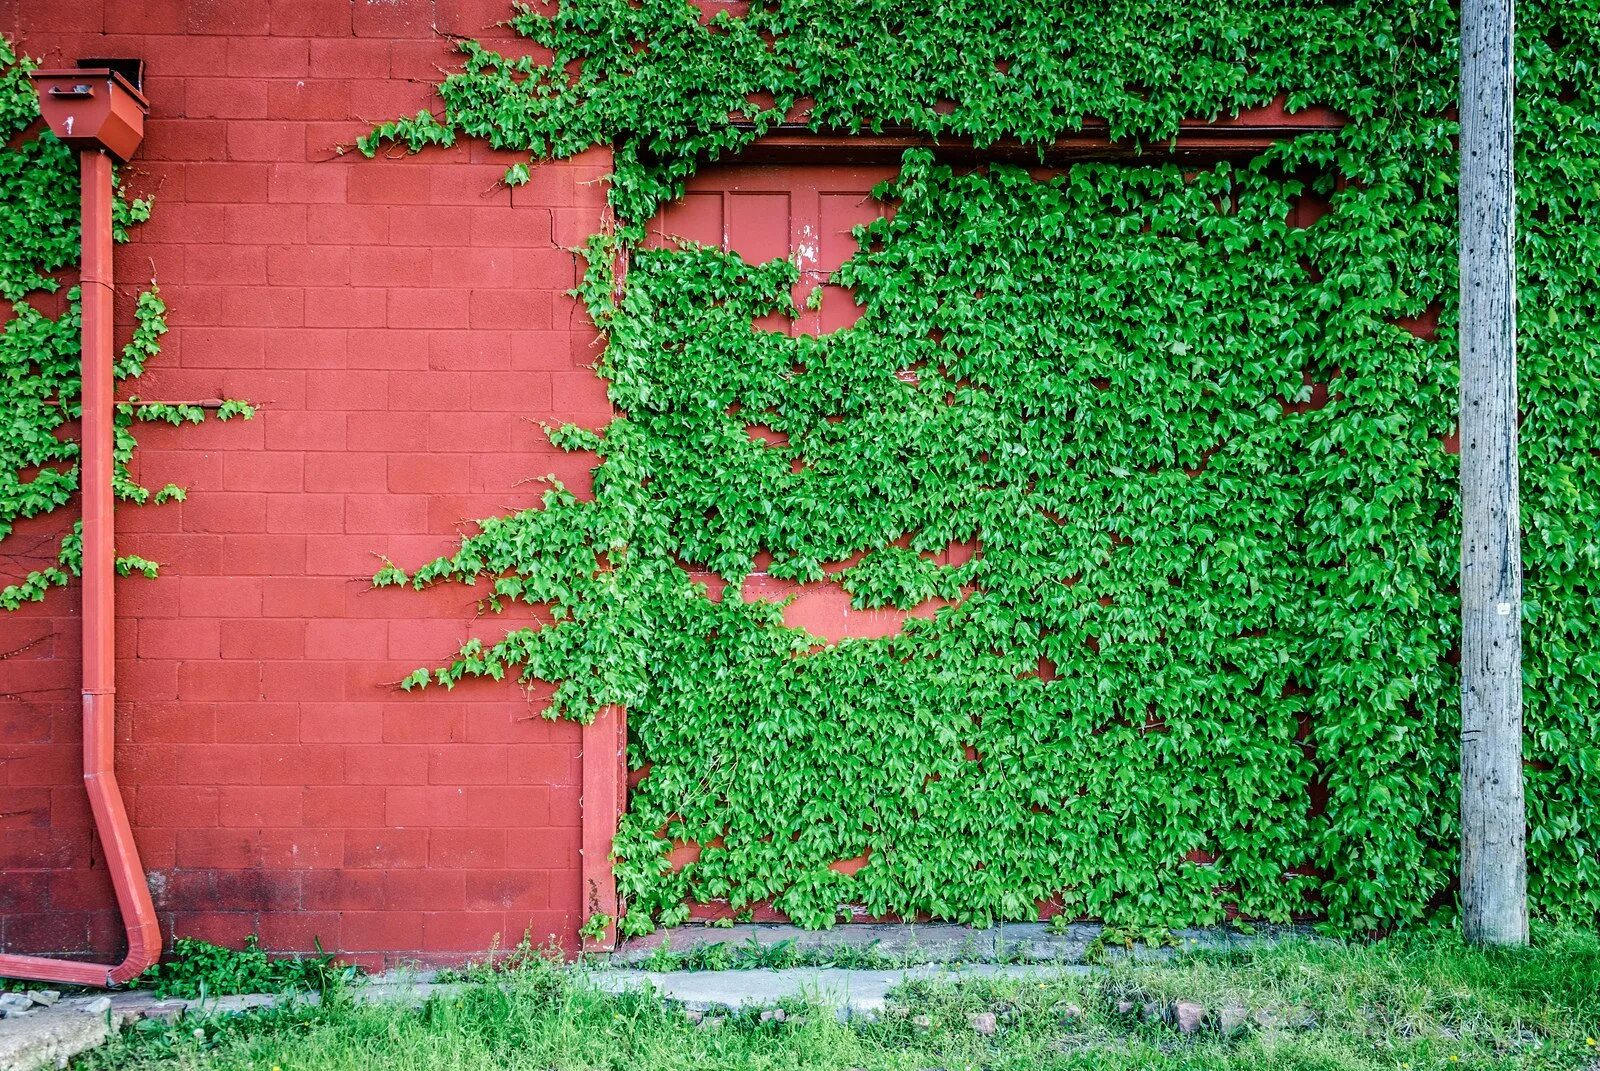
point(1494, 894)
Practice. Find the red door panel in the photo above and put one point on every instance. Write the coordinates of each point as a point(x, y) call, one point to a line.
point(803, 213)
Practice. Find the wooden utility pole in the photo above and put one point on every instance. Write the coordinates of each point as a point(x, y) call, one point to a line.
point(1494, 894)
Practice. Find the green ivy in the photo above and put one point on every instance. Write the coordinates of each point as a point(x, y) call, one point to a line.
point(1202, 658)
point(39, 354)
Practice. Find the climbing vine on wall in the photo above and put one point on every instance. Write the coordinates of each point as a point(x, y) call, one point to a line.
point(1202, 656)
point(39, 349)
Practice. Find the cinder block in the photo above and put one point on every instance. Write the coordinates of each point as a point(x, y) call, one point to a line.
point(217, 849)
point(269, 57)
point(386, 764)
point(425, 806)
point(188, 637)
point(308, 98)
point(476, 849)
point(508, 807)
point(304, 680)
point(386, 849)
point(226, 98)
point(233, 182)
point(217, 764)
point(311, 18)
point(463, 931)
point(264, 224)
point(425, 890)
point(302, 764)
point(342, 723)
point(352, 58)
point(543, 764)
point(149, 722)
point(339, 806)
point(304, 265)
point(265, 723)
point(266, 140)
point(310, 513)
point(467, 764)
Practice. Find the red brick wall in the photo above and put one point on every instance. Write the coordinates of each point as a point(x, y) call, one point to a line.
point(402, 324)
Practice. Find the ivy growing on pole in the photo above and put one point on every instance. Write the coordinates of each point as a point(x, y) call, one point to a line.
point(1203, 658)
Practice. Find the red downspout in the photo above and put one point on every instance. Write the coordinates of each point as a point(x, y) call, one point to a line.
point(99, 617)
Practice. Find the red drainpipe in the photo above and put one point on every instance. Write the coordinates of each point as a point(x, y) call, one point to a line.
point(100, 113)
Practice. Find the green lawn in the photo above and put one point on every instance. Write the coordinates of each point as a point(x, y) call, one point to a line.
point(1422, 1002)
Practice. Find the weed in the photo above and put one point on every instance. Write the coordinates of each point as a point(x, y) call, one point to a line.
point(195, 968)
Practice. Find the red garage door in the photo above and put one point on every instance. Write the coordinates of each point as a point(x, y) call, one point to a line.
point(802, 213)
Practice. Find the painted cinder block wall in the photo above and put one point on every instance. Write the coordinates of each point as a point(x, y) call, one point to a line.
point(403, 325)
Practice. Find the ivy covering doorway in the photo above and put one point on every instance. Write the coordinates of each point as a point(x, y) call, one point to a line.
point(1079, 417)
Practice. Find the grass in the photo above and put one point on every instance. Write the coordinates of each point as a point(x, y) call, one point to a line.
point(1416, 1002)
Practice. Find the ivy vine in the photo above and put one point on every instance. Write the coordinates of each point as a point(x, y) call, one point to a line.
point(39, 350)
point(1203, 658)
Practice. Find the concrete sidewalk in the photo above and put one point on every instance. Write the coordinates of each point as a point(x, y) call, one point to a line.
point(1009, 942)
point(848, 992)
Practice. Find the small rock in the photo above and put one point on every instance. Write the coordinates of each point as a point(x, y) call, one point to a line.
point(1070, 1012)
point(711, 1022)
point(1300, 1017)
point(922, 1022)
point(1153, 1012)
point(982, 1023)
point(1266, 1019)
point(98, 1006)
point(1125, 1007)
point(1188, 1016)
point(18, 1001)
point(169, 1011)
point(694, 1015)
point(45, 997)
point(1232, 1020)
point(774, 1015)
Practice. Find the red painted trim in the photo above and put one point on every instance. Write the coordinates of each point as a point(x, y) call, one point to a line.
point(1251, 131)
point(605, 786)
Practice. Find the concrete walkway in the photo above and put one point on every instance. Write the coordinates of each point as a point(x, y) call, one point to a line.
point(1011, 942)
point(848, 992)
point(48, 1037)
